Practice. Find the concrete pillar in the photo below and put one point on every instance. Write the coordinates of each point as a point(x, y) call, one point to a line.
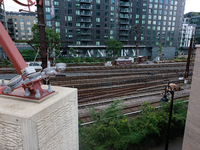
point(192, 129)
point(51, 124)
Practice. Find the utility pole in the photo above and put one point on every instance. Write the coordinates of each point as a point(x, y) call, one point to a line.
point(42, 35)
point(192, 45)
point(136, 29)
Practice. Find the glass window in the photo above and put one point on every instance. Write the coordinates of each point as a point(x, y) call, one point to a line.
point(150, 5)
point(166, 1)
point(56, 10)
point(47, 3)
point(78, 24)
point(161, 1)
point(149, 16)
point(97, 13)
point(57, 24)
point(156, 6)
point(69, 18)
point(97, 19)
point(156, 1)
point(28, 20)
point(112, 1)
point(154, 22)
point(112, 8)
point(143, 21)
point(48, 17)
point(56, 3)
point(57, 30)
point(98, 6)
point(97, 42)
point(111, 32)
point(154, 17)
point(21, 20)
point(160, 6)
point(155, 11)
point(98, 1)
point(70, 36)
point(136, 21)
point(143, 16)
point(137, 16)
point(47, 9)
point(77, 12)
point(69, 5)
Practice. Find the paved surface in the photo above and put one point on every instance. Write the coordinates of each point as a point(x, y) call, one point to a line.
point(173, 145)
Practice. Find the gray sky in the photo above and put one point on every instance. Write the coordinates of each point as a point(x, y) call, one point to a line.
point(191, 5)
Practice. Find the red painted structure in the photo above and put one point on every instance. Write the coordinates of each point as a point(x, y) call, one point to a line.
point(18, 61)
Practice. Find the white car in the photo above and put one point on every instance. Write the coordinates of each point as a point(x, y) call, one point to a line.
point(37, 65)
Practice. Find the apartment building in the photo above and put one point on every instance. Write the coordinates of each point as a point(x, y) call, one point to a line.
point(89, 23)
point(19, 25)
point(3, 14)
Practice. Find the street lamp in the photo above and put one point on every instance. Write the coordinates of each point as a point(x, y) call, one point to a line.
point(166, 99)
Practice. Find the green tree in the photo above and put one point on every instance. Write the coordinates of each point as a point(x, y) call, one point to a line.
point(50, 38)
point(160, 49)
point(72, 51)
point(28, 54)
point(113, 47)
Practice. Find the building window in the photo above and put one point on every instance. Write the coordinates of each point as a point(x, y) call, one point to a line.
point(98, 6)
point(69, 5)
point(97, 19)
point(57, 30)
point(47, 9)
point(69, 11)
point(78, 24)
point(69, 18)
point(56, 3)
point(56, 10)
point(57, 24)
point(70, 36)
point(21, 20)
point(97, 42)
point(77, 12)
point(47, 3)
point(112, 8)
point(48, 23)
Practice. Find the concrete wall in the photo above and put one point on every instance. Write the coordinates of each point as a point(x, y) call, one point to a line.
point(192, 129)
point(167, 52)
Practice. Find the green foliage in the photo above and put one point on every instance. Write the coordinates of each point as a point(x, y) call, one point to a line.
point(72, 51)
point(160, 48)
point(80, 60)
point(28, 54)
point(113, 47)
point(49, 38)
point(112, 130)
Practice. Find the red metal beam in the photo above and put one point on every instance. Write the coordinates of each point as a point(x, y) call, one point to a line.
point(29, 1)
point(11, 50)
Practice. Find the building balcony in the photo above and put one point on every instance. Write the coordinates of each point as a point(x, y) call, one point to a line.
point(124, 11)
point(85, 20)
point(86, 14)
point(86, 39)
point(11, 32)
point(124, 16)
point(123, 28)
point(123, 34)
point(86, 7)
point(123, 39)
point(86, 27)
point(124, 22)
point(86, 33)
point(85, 1)
point(124, 4)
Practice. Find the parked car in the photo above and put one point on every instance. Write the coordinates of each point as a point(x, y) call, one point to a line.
point(37, 65)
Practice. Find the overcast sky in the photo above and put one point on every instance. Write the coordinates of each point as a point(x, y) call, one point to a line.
point(191, 5)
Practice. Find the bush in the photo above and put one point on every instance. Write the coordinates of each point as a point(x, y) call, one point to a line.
point(112, 130)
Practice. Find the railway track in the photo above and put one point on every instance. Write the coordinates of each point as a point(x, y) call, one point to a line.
point(128, 110)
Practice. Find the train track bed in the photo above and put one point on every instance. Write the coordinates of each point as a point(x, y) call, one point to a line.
point(133, 104)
